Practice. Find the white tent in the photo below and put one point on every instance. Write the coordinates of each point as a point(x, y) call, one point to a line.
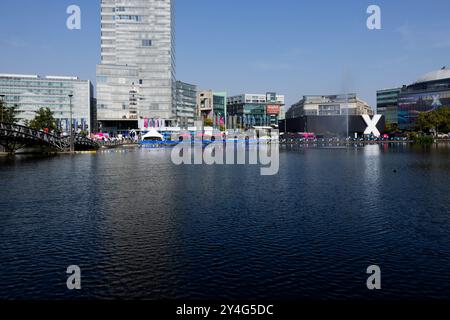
point(153, 135)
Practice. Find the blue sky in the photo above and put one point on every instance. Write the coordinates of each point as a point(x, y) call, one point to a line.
point(289, 46)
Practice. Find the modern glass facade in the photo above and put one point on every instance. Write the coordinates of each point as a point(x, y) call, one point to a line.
point(255, 109)
point(428, 94)
point(411, 104)
point(31, 92)
point(402, 106)
point(136, 77)
point(219, 103)
point(186, 101)
point(387, 104)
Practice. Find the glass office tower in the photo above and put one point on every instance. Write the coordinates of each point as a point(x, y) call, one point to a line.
point(185, 105)
point(136, 77)
point(29, 93)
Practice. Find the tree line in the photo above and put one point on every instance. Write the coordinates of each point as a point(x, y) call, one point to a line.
point(437, 121)
point(43, 120)
point(434, 122)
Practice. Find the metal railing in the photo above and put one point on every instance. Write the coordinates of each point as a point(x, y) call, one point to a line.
point(21, 135)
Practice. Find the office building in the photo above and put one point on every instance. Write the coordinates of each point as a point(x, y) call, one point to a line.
point(402, 106)
point(329, 105)
point(428, 93)
point(31, 92)
point(136, 77)
point(186, 100)
point(387, 104)
point(212, 106)
point(249, 110)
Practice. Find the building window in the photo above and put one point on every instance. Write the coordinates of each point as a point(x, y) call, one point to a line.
point(146, 43)
point(126, 17)
point(329, 110)
point(102, 79)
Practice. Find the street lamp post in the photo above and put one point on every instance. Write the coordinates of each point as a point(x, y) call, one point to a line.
point(225, 115)
point(72, 145)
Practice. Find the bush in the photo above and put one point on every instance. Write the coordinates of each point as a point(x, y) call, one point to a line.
point(423, 139)
point(208, 123)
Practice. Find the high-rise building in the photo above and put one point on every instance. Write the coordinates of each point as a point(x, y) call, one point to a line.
point(29, 93)
point(185, 104)
point(136, 77)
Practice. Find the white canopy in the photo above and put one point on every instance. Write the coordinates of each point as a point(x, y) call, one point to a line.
point(153, 135)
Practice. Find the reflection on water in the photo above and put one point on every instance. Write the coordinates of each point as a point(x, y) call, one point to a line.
point(141, 227)
point(372, 171)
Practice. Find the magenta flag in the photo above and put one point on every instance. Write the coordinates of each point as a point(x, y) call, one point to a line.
point(145, 123)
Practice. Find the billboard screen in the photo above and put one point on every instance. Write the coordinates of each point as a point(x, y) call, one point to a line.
point(411, 105)
point(273, 109)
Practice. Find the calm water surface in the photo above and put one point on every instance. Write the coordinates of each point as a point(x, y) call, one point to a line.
point(142, 228)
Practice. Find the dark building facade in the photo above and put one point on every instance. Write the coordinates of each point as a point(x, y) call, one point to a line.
point(387, 104)
point(330, 125)
point(429, 93)
point(402, 106)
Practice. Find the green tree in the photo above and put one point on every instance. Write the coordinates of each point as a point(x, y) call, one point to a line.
point(423, 122)
point(43, 120)
point(8, 114)
point(391, 128)
point(437, 120)
point(208, 123)
point(444, 125)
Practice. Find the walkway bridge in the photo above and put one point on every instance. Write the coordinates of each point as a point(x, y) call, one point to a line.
point(14, 137)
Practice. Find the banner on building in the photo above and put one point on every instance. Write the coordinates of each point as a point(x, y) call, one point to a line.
point(273, 109)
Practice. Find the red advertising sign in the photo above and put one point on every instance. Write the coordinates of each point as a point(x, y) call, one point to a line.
point(273, 109)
